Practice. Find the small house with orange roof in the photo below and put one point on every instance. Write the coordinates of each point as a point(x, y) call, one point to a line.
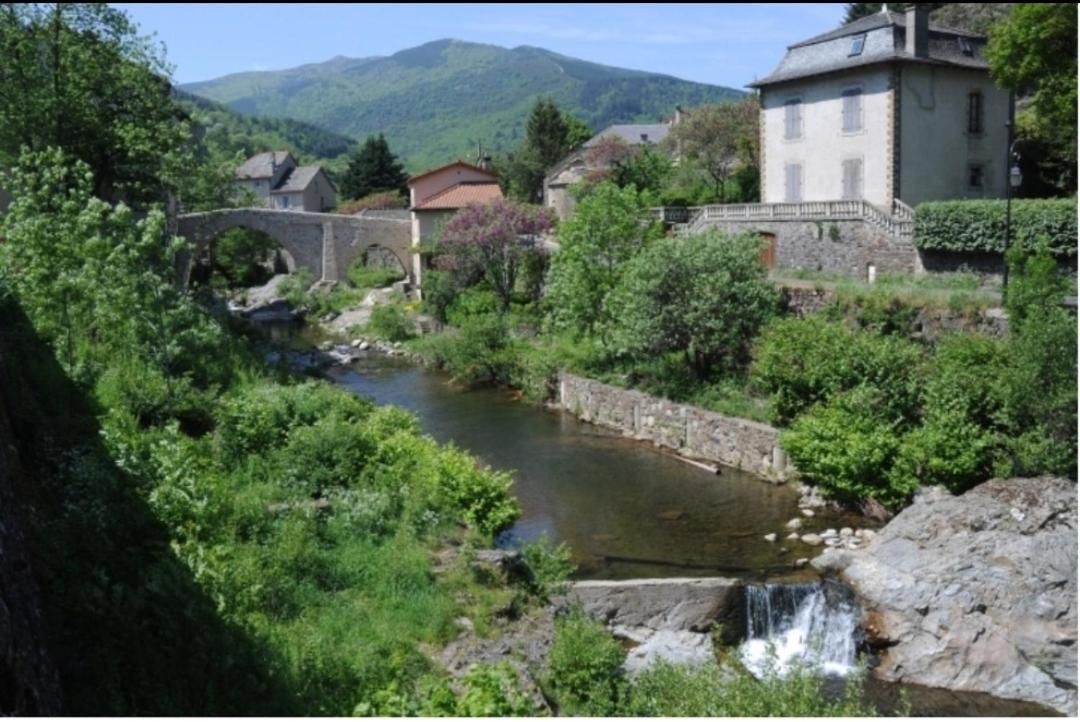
point(439, 193)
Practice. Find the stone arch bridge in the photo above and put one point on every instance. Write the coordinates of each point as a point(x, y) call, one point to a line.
point(324, 243)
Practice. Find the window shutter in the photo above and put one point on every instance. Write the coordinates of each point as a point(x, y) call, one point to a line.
point(852, 110)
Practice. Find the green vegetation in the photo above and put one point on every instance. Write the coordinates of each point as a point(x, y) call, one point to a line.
point(1033, 53)
point(585, 667)
point(390, 322)
point(373, 169)
point(548, 137)
point(437, 101)
point(722, 142)
point(979, 226)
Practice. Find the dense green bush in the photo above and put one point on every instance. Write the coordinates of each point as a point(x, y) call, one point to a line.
point(667, 690)
point(481, 353)
point(391, 323)
point(549, 568)
point(585, 667)
point(979, 225)
point(364, 276)
point(704, 297)
point(846, 446)
point(803, 361)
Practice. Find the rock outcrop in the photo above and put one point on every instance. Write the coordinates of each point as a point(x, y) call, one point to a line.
point(976, 592)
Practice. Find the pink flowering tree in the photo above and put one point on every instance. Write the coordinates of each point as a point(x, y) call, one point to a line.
point(490, 242)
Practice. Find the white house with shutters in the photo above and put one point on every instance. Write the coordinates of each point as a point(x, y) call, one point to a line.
point(886, 107)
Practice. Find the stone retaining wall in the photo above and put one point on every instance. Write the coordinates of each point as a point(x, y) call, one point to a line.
point(928, 323)
point(692, 432)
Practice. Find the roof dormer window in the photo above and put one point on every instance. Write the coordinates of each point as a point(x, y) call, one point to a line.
point(857, 44)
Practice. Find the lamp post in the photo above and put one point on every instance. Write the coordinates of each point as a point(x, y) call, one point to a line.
point(1013, 180)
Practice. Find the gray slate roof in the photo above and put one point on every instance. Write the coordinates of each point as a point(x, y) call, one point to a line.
point(261, 165)
point(655, 132)
point(828, 52)
point(297, 179)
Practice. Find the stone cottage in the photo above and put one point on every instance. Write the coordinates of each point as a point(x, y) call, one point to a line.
point(886, 107)
point(436, 195)
point(577, 166)
point(276, 181)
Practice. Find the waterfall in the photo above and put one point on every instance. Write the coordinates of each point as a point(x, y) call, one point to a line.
point(800, 624)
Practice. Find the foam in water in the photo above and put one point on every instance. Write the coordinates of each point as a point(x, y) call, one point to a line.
point(798, 624)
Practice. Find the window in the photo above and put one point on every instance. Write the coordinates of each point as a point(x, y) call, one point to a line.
point(793, 183)
point(975, 176)
point(857, 44)
point(853, 180)
point(284, 201)
point(966, 47)
point(975, 113)
point(793, 119)
point(852, 110)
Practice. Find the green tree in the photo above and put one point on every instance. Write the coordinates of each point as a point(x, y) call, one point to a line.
point(854, 11)
point(705, 297)
point(720, 139)
point(1033, 52)
point(577, 131)
point(373, 169)
point(546, 142)
point(606, 231)
point(78, 77)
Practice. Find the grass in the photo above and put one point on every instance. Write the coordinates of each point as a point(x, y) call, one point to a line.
point(963, 293)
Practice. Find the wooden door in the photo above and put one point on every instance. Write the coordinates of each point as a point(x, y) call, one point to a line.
point(768, 249)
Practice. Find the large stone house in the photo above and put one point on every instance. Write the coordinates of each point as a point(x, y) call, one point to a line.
point(439, 193)
point(886, 107)
point(577, 166)
point(276, 181)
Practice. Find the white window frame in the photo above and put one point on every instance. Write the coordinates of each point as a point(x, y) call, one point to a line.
point(793, 108)
point(853, 91)
point(848, 193)
point(793, 191)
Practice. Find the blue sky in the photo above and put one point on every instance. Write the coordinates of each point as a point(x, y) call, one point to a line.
point(720, 44)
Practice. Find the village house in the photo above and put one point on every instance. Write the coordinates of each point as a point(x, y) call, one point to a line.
point(577, 166)
point(436, 195)
point(276, 181)
point(886, 107)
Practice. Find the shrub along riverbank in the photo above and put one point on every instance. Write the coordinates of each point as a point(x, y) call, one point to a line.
point(870, 412)
point(213, 537)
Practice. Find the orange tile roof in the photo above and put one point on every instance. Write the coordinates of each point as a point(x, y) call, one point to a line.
point(455, 164)
point(461, 195)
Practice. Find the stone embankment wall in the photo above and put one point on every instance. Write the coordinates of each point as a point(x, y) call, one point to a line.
point(692, 432)
point(837, 246)
point(928, 323)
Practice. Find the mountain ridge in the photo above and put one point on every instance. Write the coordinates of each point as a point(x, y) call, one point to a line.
point(434, 102)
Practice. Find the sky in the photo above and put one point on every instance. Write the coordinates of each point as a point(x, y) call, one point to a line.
point(726, 45)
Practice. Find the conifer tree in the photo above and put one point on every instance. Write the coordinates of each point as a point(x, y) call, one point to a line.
point(373, 169)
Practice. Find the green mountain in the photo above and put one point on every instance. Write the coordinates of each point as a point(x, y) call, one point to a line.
point(435, 102)
point(225, 132)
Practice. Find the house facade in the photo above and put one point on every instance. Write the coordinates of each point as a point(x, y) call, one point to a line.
point(436, 195)
point(577, 166)
point(276, 181)
point(886, 107)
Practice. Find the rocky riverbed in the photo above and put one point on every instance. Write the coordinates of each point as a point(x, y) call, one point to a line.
point(976, 592)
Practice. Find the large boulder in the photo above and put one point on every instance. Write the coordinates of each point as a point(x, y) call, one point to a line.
point(975, 592)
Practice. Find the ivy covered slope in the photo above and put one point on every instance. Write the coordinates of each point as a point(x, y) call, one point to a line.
point(435, 101)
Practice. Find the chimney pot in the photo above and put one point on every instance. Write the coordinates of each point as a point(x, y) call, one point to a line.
point(917, 30)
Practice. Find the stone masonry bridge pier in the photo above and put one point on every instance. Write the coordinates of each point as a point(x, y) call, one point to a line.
point(324, 243)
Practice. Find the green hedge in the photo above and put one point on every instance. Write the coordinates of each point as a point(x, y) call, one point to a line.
point(980, 225)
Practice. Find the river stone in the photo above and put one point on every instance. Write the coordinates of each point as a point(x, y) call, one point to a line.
point(770, 537)
point(793, 535)
point(794, 524)
point(811, 539)
point(962, 593)
point(807, 512)
point(676, 647)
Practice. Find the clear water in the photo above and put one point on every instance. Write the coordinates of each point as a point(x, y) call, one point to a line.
point(624, 508)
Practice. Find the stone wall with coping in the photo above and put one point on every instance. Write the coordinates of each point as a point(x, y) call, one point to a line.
point(848, 246)
point(691, 431)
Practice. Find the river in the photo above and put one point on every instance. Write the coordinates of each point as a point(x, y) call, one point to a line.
point(625, 508)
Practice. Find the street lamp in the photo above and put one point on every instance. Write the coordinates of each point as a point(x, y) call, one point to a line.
point(1015, 178)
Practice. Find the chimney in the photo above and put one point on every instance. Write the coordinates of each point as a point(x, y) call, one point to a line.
point(678, 115)
point(485, 162)
point(917, 30)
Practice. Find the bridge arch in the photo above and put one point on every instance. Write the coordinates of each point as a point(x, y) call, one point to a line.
point(324, 243)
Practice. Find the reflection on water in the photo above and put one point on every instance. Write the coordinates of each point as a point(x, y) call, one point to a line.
point(624, 508)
